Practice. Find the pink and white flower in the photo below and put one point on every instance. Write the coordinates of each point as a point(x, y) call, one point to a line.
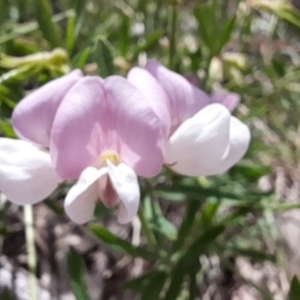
point(204, 138)
point(106, 133)
point(102, 132)
point(27, 175)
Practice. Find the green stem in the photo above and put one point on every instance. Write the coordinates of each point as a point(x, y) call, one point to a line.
point(30, 245)
point(148, 232)
point(172, 48)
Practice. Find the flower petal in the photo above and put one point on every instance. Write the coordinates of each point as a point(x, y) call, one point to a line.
point(77, 134)
point(228, 99)
point(126, 185)
point(156, 96)
point(26, 173)
point(238, 142)
point(141, 138)
point(81, 199)
point(33, 116)
point(109, 116)
point(185, 99)
point(196, 148)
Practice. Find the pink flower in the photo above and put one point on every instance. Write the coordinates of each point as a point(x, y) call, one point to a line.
point(33, 116)
point(204, 138)
point(106, 133)
point(26, 172)
point(102, 132)
point(229, 99)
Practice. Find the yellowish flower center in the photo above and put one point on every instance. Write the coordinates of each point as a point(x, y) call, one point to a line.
point(111, 156)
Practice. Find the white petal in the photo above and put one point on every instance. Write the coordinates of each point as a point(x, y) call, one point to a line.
point(81, 199)
point(125, 182)
point(26, 172)
point(196, 148)
point(239, 142)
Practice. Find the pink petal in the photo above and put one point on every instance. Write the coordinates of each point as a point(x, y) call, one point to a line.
point(185, 99)
point(26, 173)
point(99, 117)
point(228, 99)
point(156, 96)
point(197, 147)
point(107, 192)
point(191, 78)
point(77, 136)
point(33, 116)
point(82, 197)
point(126, 185)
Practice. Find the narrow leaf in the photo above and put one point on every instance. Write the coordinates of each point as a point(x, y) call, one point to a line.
point(104, 58)
point(203, 242)
point(254, 254)
point(226, 34)
point(176, 280)
point(294, 292)
point(141, 282)
point(154, 287)
point(156, 219)
point(77, 272)
point(119, 244)
point(187, 223)
point(150, 42)
point(49, 29)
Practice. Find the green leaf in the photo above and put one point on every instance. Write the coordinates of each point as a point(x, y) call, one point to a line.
point(6, 294)
point(49, 29)
point(71, 34)
point(140, 282)
point(209, 212)
point(156, 219)
point(193, 286)
point(79, 7)
point(174, 197)
point(154, 287)
point(81, 58)
point(76, 268)
point(4, 6)
point(187, 223)
point(294, 292)
point(176, 280)
point(253, 254)
point(7, 129)
point(119, 244)
point(203, 16)
point(150, 42)
point(226, 34)
point(250, 170)
point(203, 242)
point(196, 192)
point(124, 36)
point(104, 58)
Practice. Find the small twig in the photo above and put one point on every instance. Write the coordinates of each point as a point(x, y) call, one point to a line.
point(30, 245)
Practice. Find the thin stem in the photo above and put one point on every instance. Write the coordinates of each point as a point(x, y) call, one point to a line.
point(30, 245)
point(173, 36)
point(148, 232)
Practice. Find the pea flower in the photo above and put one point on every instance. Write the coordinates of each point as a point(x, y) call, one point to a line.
point(106, 133)
point(27, 175)
point(204, 139)
point(228, 99)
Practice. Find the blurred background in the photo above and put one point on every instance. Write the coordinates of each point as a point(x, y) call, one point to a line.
point(249, 218)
